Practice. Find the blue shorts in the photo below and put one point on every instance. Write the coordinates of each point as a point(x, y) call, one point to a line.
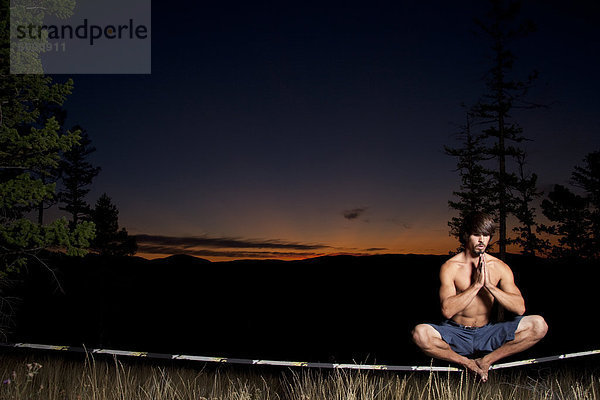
point(468, 341)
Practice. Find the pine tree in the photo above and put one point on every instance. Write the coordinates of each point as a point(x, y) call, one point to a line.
point(587, 177)
point(503, 94)
point(576, 217)
point(30, 149)
point(527, 192)
point(110, 241)
point(30, 146)
point(571, 220)
point(31, 142)
point(77, 174)
point(474, 193)
point(52, 175)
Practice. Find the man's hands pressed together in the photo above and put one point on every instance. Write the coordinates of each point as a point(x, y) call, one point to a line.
point(480, 274)
point(507, 294)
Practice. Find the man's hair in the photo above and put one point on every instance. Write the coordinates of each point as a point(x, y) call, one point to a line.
point(476, 223)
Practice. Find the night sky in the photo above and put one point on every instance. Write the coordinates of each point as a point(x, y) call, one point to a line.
point(290, 130)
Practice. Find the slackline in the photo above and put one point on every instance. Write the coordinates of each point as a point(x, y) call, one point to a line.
point(228, 360)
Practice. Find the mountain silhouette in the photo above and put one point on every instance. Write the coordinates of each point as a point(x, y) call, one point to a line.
point(334, 308)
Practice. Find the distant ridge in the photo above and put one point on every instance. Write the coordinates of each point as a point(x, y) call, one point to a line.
point(180, 259)
point(338, 307)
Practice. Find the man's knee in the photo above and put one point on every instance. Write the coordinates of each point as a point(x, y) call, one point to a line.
point(536, 326)
point(422, 335)
point(540, 327)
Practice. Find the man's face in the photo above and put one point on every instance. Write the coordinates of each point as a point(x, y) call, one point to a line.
point(478, 243)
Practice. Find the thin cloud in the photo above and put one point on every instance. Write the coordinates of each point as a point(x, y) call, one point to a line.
point(234, 254)
point(222, 242)
point(397, 222)
point(354, 213)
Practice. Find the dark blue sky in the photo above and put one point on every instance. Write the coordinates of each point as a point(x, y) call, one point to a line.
point(267, 122)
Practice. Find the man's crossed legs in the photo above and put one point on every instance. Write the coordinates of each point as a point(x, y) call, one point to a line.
point(457, 339)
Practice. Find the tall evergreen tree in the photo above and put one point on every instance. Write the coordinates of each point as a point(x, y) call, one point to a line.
point(587, 177)
point(571, 222)
point(30, 150)
point(30, 146)
point(502, 96)
point(110, 241)
point(27, 154)
point(52, 175)
point(575, 217)
point(526, 193)
point(77, 174)
point(474, 193)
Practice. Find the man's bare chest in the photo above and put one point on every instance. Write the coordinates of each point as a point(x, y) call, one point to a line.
point(466, 276)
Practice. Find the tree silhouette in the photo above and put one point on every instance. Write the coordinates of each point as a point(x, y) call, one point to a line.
point(31, 142)
point(110, 241)
point(571, 220)
point(77, 174)
point(576, 217)
point(499, 135)
point(474, 193)
point(526, 193)
point(52, 174)
point(30, 148)
point(587, 177)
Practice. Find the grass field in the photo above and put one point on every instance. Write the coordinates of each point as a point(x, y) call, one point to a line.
point(53, 378)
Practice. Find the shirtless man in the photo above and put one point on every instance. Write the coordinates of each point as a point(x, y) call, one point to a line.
point(471, 282)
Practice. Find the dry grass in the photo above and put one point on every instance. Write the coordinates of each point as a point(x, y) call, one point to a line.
point(53, 378)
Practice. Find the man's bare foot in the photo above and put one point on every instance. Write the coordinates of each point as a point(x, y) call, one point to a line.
point(472, 366)
point(484, 367)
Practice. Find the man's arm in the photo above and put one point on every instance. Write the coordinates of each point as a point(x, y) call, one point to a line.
point(506, 293)
point(451, 302)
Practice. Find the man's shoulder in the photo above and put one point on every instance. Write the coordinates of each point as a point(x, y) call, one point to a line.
point(458, 258)
point(455, 261)
point(496, 262)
